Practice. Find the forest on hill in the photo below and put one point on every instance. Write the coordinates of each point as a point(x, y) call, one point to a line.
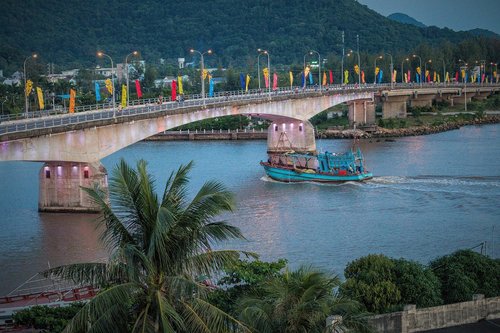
point(70, 33)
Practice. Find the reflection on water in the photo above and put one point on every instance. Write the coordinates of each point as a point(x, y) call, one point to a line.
point(431, 195)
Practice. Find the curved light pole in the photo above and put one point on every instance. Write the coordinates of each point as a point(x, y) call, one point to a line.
point(420, 65)
point(135, 53)
point(261, 52)
point(319, 66)
point(391, 68)
point(464, 79)
point(375, 69)
point(425, 67)
point(100, 55)
point(34, 56)
point(444, 73)
point(402, 69)
point(359, 61)
point(202, 62)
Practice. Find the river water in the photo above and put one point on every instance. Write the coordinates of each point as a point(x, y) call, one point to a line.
point(431, 195)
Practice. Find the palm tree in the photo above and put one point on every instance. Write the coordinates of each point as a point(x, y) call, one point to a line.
point(299, 301)
point(158, 247)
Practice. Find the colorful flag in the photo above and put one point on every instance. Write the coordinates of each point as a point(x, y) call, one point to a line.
point(380, 76)
point(39, 93)
point(406, 77)
point(72, 97)
point(456, 76)
point(210, 86)
point(377, 70)
point(109, 85)
point(265, 71)
point(447, 77)
point(394, 75)
point(179, 84)
point(324, 78)
point(174, 91)
point(242, 81)
point(346, 76)
point(204, 74)
point(303, 80)
point(363, 77)
point(138, 89)
point(311, 78)
point(482, 78)
point(124, 96)
point(417, 77)
point(419, 71)
point(306, 71)
point(97, 92)
point(439, 78)
point(291, 79)
point(356, 69)
point(331, 76)
point(247, 82)
point(29, 86)
point(434, 76)
point(275, 81)
point(463, 73)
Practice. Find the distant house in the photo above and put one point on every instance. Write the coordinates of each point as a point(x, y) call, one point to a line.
point(15, 80)
point(68, 75)
point(167, 80)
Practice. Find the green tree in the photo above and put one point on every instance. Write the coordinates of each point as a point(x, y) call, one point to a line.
point(465, 273)
point(298, 301)
point(158, 246)
point(49, 319)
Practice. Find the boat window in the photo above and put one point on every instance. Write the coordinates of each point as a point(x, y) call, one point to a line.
point(86, 173)
point(322, 166)
point(47, 173)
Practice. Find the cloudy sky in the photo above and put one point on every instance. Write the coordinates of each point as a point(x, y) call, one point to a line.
point(454, 14)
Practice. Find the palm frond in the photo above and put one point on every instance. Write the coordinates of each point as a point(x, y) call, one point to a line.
point(167, 313)
point(95, 274)
point(213, 261)
point(174, 195)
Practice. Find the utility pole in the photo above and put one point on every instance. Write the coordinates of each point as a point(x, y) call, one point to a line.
point(342, 63)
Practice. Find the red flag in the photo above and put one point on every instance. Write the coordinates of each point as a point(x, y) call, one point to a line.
point(138, 88)
point(72, 96)
point(331, 76)
point(174, 90)
point(482, 78)
point(456, 76)
point(409, 77)
point(275, 81)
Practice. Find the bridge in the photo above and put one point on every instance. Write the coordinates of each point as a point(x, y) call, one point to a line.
point(72, 145)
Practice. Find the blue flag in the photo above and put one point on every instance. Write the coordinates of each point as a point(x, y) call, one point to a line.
point(417, 78)
point(303, 80)
point(310, 78)
point(97, 92)
point(211, 88)
point(380, 75)
point(242, 81)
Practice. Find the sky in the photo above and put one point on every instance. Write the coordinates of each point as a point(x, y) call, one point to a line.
point(454, 14)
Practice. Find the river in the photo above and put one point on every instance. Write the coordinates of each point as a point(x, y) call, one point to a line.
point(431, 195)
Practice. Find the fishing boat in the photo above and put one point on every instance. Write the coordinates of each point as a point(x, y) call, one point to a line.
point(323, 167)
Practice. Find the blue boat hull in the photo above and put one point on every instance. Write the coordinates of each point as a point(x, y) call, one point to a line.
point(290, 175)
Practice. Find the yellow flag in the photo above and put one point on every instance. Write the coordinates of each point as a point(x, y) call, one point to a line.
point(109, 85)
point(439, 78)
point(435, 77)
point(356, 69)
point(72, 96)
point(463, 73)
point(306, 72)
point(346, 76)
point(124, 96)
point(377, 70)
point(495, 76)
point(394, 75)
point(41, 104)
point(419, 70)
point(205, 73)
point(247, 82)
point(406, 77)
point(291, 78)
point(179, 85)
point(265, 71)
point(324, 78)
point(29, 86)
point(447, 78)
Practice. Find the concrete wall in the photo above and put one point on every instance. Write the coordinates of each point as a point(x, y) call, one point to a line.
point(361, 112)
point(285, 135)
point(415, 320)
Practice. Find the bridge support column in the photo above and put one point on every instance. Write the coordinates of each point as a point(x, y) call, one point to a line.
point(61, 182)
point(290, 134)
point(422, 100)
point(361, 113)
point(394, 107)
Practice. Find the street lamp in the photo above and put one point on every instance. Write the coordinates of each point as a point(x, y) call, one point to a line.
point(348, 54)
point(464, 68)
point(100, 55)
point(391, 70)
point(34, 56)
point(342, 62)
point(402, 69)
point(420, 66)
point(425, 69)
point(261, 52)
point(202, 70)
point(496, 68)
point(375, 69)
point(135, 53)
point(319, 66)
point(359, 61)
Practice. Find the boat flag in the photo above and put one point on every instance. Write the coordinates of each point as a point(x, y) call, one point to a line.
point(124, 96)
point(275, 81)
point(97, 92)
point(174, 90)
point(247, 82)
point(72, 97)
point(310, 78)
point(39, 93)
point(331, 76)
point(265, 71)
point(242, 81)
point(291, 79)
point(363, 77)
point(29, 86)
point(210, 86)
point(346, 76)
point(109, 85)
point(138, 88)
point(179, 84)
point(324, 78)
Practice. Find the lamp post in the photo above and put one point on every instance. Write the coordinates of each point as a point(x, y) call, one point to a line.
point(135, 53)
point(5, 100)
point(319, 66)
point(359, 61)
point(496, 68)
point(420, 66)
point(202, 70)
point(391, 67)
point(425, 68)
point(444, 72)
point(261, 52)
point(343, 55)
point(464, 68)
point(402, 69)
point(482, 70)
point(375, 69)
point(34, 56)
point(100, 55)
point(342, 62)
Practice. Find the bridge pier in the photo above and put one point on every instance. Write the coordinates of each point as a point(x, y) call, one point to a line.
point(361, 112)
point(394, 107)
point(290, 134)
point(61, 186)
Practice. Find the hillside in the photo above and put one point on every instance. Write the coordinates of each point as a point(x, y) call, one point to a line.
point(403, 18)
point(69, 33)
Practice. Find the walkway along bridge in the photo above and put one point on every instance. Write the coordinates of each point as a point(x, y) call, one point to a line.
point(72, 145)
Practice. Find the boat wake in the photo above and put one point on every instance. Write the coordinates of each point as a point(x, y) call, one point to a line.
point(349, 183)
point(492, 181)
